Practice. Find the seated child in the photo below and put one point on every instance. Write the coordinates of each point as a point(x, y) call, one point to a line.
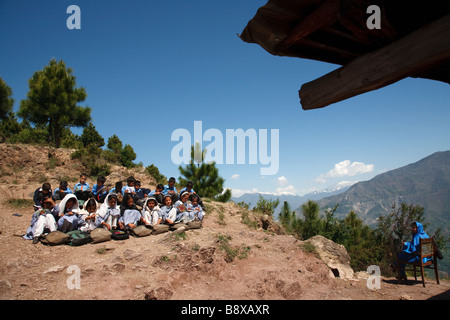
point(69, 218)
point(129, 188)
point(40, 194)
point(151, 212)
point(82, 189)
point(109, 213)
point(61, 192)
point(43, 218)
point(99, 189)
point(129, 213)
point(89, 215)
point(141, 193)
point(195, 209)
point(117, 190)
point(189, 188)
point(182, 207)
point(168, 212)
point(158, 194)
point(171, 190)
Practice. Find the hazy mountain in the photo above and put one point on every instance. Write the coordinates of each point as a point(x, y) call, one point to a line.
point(294, 200)
point(425, 183)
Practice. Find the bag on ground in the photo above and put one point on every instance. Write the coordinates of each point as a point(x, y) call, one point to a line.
point(194, 224)
point(78, 238)
point(141, 231)
point(55, 238)
point(160, 228)
point(100, 235)
point(119, 235)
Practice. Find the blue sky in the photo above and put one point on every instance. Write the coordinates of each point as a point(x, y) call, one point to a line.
point(151, 67)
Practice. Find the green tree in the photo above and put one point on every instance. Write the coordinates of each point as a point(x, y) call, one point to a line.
point(118, 153)
point(287, 218)
point(225, 196)
point(127, 156)
point(312, 223)
point(114, 144)
point(6, 102)
point(154, 172)
point(52, 99)
point(91, 136)
point(266, 206)
point(205, 176)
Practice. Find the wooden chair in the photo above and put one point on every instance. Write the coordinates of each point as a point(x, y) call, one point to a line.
point(427, 249)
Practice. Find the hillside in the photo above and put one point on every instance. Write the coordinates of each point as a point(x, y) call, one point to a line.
point(425, 183)
point(231, 257)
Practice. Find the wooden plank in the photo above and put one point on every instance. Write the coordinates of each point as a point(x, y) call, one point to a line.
point(323, 16)
point(413, 54)
point(353, 17)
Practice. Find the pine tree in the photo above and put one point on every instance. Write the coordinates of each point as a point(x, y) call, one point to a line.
point(90, 136)
point(286, 218)
point(52, 99)
point(311, 226)
point(6, 102)
point(205, 177)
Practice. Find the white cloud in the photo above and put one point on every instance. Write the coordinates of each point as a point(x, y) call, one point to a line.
point(290, 189)
point(346, 168)
point(240, 192)
point(282, 181)
point(235, 176)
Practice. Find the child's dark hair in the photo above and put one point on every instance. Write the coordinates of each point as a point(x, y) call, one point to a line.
point(118, 186)
point(160, 186)
point(193, 197)
point(46, 186)
point(112, 196)
point(137, 182)
point(190, 184)
point(172, 179)
point(126, 197)
point(63, 184)
point(101, 179)
point(130, 179)
point(83, 175)
point(90, 203)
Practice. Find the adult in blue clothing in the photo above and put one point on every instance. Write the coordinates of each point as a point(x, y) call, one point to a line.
point(411, 249)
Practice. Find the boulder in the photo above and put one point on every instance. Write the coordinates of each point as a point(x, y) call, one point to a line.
point(334, 255)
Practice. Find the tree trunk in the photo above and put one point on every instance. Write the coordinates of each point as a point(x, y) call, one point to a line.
point(57, 134)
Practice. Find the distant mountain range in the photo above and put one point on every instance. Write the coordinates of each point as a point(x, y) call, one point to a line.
point(425, 183)
point(294, 200)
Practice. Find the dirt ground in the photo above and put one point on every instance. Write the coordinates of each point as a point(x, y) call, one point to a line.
point(193, 266)
point(224, 260)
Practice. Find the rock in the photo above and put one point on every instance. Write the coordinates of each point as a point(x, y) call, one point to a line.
point(160, 293)
point(5, 285)
point(334, 255)
point(54, 269)
point(130, 254)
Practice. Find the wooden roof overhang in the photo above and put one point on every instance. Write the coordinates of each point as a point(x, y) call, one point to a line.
point(413, 41)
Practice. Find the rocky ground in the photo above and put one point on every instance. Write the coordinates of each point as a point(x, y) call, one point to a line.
point(228, 259)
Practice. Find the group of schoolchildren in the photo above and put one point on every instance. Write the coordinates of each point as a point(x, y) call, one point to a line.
point(122, 207)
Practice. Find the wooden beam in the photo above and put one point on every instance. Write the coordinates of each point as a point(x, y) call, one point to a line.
point(413, 54)
point(324, 16)
point(353, 17)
